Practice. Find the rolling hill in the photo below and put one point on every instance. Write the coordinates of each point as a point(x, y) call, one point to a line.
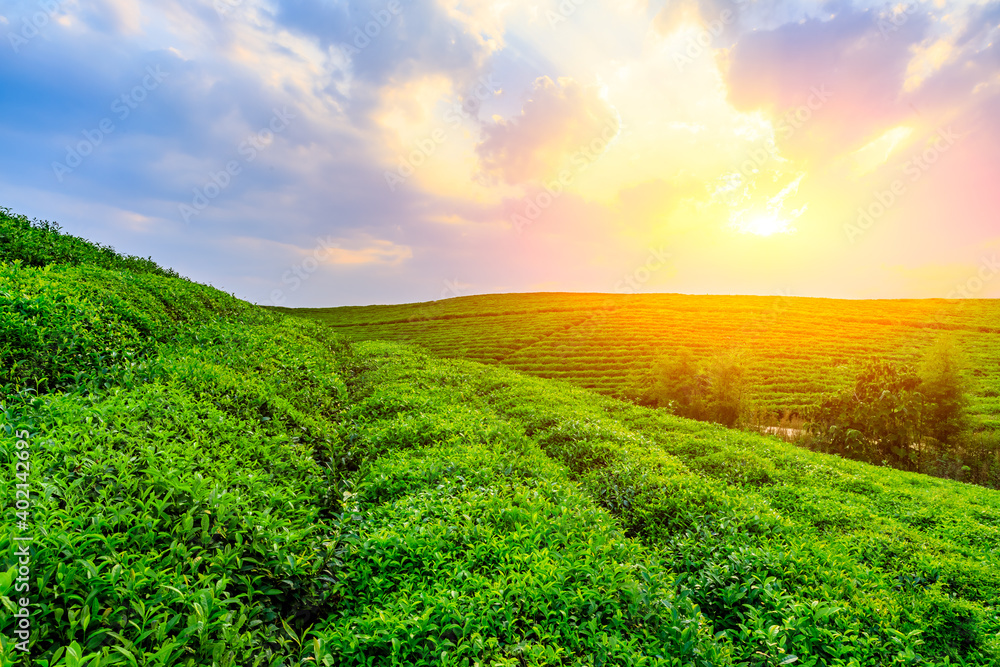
point(193, 480)
point(799, 347)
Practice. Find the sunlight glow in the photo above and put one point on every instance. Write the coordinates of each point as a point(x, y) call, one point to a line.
point(765, 225)
point(771, 218)
point(877, 152)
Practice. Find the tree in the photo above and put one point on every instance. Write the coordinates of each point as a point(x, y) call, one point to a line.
point(727, 388)
point(898, 414)
point(679, 384)
point(879, 419)
point(945, 392)
point(712, 391)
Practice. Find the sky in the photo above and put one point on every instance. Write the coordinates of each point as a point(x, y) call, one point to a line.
point(323, 153)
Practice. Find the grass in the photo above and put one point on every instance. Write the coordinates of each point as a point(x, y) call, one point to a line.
point(798, 348)
point(216, 484)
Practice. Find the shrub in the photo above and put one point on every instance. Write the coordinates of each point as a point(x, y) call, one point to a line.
point(945, 393)
point(41, 243)
point(715, 390)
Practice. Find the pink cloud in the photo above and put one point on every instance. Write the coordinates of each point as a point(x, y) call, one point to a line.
point(859, 68)
point(557, 120)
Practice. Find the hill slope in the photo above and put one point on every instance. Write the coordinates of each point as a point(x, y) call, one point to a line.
point(800, 347)
point(213, 484)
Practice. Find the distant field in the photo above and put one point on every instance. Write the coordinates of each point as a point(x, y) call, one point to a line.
point(800, 347)
point(195, 481)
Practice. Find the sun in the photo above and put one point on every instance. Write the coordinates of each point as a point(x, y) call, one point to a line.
point(764, 225)
point(768, 217)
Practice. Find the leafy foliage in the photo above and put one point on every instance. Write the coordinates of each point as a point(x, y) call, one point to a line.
point(776, 357)
point(797, 349)
point(880, 419)
point(945, 393)
point(714, 391)
point(895, 415)
point(678, 383)
point(41, 243)
point(213, 484)
point(64, 325)
point(785, 551)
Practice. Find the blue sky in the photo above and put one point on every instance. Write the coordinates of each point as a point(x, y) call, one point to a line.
point(319, 153)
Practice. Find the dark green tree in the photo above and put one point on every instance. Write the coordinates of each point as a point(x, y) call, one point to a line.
point(680, 385)
point(879, 419)
point(945, 393)
point(727, 388)
point(715, 390)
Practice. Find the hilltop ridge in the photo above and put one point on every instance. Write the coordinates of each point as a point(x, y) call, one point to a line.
point(215, 484)
point(801, 347)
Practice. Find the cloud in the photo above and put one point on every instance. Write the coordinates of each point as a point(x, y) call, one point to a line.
point(116, 17)
point(558, 121)
point(375, 251)
point(678, 164)
point(675, 14)
point(862, 66)
point(957, 65)
point(334, 251)
point(388, 41)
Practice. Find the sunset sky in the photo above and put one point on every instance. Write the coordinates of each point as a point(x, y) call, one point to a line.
point(322, 153)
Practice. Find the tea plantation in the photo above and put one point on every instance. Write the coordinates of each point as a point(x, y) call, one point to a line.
point(798, 348)
point(200, 481)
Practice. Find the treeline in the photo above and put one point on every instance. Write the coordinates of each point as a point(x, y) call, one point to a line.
point(910, 417)
point(715, 390)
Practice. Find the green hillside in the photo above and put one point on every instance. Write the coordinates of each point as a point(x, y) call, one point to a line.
point(205, 482)
point(799, 347)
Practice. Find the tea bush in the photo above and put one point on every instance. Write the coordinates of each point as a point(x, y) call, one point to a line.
point(214, 484)
point(41, 243)
point(796, 349)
